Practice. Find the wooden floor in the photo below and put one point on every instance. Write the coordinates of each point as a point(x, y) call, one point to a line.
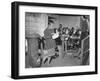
point(64, 59)
point(60, 61)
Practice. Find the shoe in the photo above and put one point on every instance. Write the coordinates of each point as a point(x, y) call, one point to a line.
point(56, 54)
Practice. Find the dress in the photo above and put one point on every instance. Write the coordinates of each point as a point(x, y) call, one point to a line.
point(84, 27)
point(49, 42)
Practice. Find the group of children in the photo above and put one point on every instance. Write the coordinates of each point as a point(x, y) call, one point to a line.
point(48, 47)
point(53, 39)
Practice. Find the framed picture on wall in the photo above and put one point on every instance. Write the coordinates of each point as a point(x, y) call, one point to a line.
point(50, 40)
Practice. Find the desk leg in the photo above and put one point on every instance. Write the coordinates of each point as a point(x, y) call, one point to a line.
point(63, 49)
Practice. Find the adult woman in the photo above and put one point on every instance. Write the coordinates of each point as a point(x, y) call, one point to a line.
point(84, 26)
point(49, 42)
point(49, 48)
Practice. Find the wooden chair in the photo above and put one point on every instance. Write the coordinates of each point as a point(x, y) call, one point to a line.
point(84, 49)
point(82, 53)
